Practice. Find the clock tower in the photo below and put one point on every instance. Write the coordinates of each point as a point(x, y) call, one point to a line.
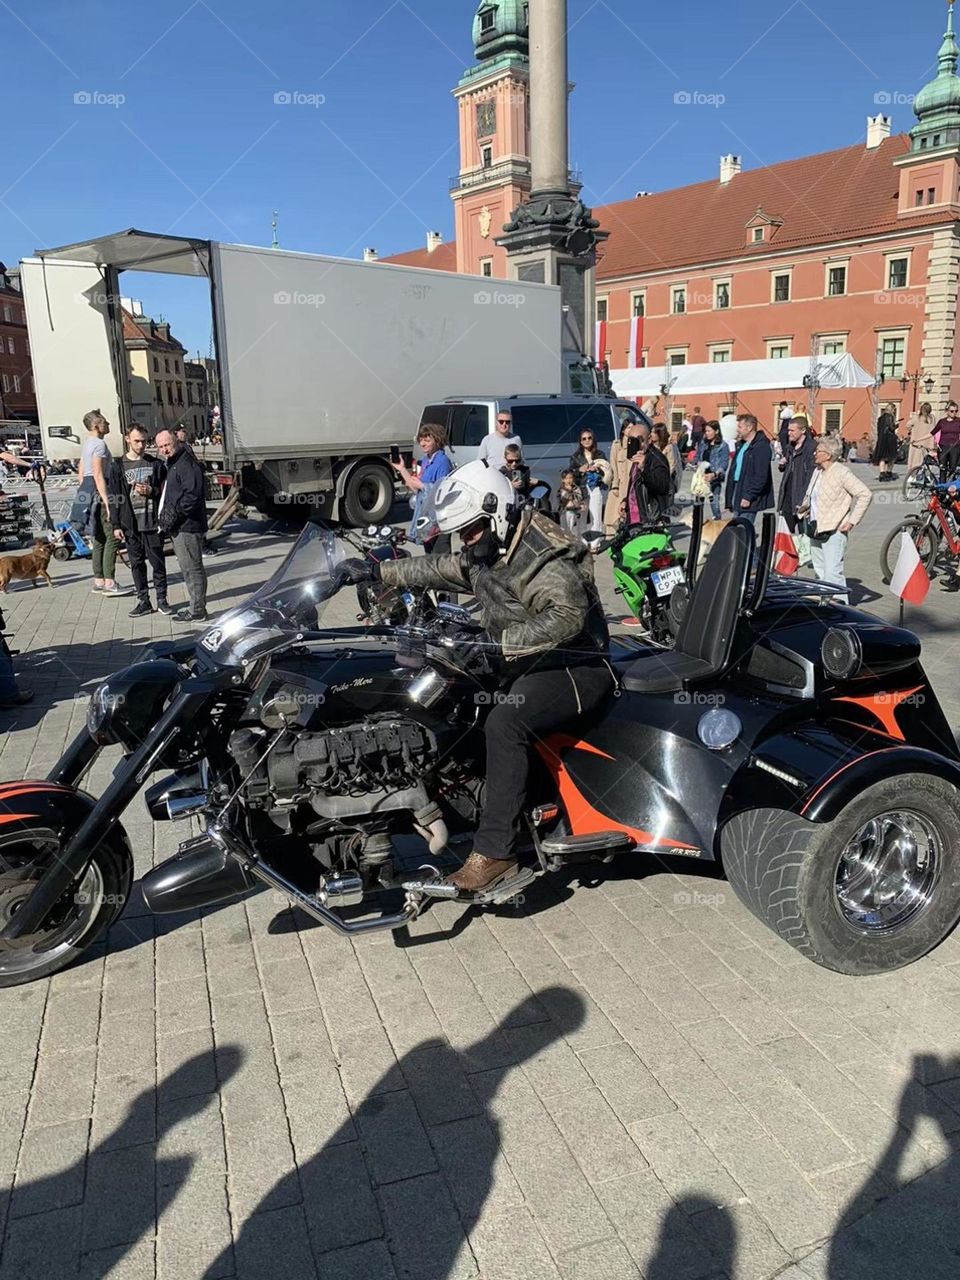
point(494, 111)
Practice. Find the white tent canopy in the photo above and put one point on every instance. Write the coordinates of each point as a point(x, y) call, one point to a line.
point(830, 374)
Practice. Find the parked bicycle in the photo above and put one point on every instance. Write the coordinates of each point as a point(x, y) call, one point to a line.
point(920, 482)
point(935, 532)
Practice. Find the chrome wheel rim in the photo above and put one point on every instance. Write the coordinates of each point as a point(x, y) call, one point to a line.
point(70, 919)
point(888, 872)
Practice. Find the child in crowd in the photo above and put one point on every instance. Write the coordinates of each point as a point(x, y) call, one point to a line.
point(571, 502)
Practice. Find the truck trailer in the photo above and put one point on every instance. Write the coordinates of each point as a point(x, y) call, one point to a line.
point(324, 363)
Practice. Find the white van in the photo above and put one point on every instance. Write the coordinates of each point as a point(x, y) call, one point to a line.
point(549, 426)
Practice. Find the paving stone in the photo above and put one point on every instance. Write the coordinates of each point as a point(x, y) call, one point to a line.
point(656, 1231)
point(437, 1249)
point(394, 1140)
point(288, 987)
point(680, 1158)
point(508, 1246)
point(549, 1063)
point(71, 1021)
point(740, 1242)
point(438, 1084)
point(43, 1246)
point(183, 1005)
point(338, 1200)
point(629, 1088)
point(275, 1245)
point(126, 1262)
point(608, 1260)
point(120, 1201)
point(50, 1173)
point(63, 1087)
point(367, 1064)
point(799, 1129)
point(186, 1064)
point(193, 1235)
point(410, 1022)
point(747, 1012)
point(476, 1171)
point(370, 1261)
point(601, 1145)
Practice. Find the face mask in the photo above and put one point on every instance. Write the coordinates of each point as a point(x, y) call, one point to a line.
point(485, 551)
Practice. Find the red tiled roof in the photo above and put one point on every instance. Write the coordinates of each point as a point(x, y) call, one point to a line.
point(135, 332)
point(837, 195)
point(442, 258)
point(833, 196)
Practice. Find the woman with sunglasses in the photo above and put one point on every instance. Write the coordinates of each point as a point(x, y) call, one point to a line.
point(593, 472)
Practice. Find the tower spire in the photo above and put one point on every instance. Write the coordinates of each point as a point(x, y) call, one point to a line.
point(949, 53)
point(937, 105)
point(275, 244)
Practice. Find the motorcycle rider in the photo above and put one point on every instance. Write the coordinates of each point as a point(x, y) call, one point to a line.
point(545, 633)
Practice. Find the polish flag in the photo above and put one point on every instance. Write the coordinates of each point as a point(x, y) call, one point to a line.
point(636, 342)
point(786, 558)
point(601, 341)
point(910, 580)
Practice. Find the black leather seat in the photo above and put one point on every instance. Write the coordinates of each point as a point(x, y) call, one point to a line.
point(705, 640)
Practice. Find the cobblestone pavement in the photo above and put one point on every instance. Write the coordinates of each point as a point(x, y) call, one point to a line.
point(626, 1076)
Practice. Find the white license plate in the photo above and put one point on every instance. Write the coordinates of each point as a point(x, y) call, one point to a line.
point(666, 579)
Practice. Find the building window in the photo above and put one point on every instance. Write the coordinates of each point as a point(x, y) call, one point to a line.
point(720, 355)
point(897, 272)
point(179, 393)
point(16, 382)
point(6, 383)
point(679, 297)
point(781, 287)
point(778, 350)
point(6, 313)
point(758, 235)
point(169, 393)
point(644, 357)
point(836, 282)
point(176, 366)
point(931, 194)
point(11, 347)
point(721, 295)
point(486, 266)
point(486, 157)
point(166, 365)
point(919, 200)
point(488, 21)
point(676, 357)
point(601, 309)
point(832, 419)
point(676, 419)
point(156, 365)
point(936, 140)
point(892, 357)
point(833, 346)
point(159, 393)
point(638, 304)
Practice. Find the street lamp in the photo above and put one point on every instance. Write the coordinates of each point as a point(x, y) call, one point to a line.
point(916, 379)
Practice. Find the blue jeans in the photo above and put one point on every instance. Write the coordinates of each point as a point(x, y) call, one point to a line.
point(8, 683)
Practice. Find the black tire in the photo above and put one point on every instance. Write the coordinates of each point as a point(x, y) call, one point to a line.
point(785, 870)
point(82, 916)
point(926, 537)
point(62, 553)
point(368, 495)
point(918, 483)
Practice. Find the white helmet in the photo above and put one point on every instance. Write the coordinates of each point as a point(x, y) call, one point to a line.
point(471, 492)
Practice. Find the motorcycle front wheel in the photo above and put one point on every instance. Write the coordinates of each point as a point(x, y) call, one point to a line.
point(81, 916)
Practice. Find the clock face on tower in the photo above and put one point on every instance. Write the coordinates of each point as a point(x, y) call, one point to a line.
point(486, 119)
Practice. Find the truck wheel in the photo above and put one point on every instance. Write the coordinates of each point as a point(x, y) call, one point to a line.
point(83, 914)
point(367, 495)
point(871, 891)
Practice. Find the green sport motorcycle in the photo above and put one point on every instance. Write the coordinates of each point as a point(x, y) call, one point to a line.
point(649, 572)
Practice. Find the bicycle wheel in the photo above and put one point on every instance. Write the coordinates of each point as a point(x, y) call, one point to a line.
point(926, 538)
point(918, 483)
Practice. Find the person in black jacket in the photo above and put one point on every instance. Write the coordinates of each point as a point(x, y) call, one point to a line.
point(797, 468)
point(750, 478)
point(134, 485)
point(183, 515)
point(649, 487)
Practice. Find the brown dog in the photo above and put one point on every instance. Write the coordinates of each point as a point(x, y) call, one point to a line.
point(711, 532)
point(28, 565)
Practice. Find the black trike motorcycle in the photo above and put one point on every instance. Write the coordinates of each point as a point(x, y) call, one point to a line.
point(794, 740)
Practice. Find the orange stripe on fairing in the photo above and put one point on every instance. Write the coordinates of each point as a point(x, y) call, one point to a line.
point(584, 818)
point(881, 751)
point(884, 707)
point(15, 817)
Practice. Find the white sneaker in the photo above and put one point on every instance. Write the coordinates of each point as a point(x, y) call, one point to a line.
point(117, 590)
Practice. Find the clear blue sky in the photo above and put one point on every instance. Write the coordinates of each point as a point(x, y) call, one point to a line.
point(199, 146)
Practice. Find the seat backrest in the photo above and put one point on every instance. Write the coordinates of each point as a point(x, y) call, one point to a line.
point(710, 622)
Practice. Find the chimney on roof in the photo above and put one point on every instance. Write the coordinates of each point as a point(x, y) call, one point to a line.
point(640, 195)
point(878, 130)
point(162, 331)
point(370, 255)
point(434, 238)
point(730, 166)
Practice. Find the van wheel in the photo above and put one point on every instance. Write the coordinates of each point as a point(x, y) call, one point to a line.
point(871, 891)
point(367, 495)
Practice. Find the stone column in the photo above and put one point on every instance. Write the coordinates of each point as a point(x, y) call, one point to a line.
point(548, 98)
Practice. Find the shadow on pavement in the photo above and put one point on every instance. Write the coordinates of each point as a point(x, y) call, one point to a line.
point(124, 1186)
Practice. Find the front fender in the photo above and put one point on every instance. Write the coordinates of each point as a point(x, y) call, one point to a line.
point(833, 793)
point(31, 806)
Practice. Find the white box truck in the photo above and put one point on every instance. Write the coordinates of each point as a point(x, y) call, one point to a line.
point(324, 363)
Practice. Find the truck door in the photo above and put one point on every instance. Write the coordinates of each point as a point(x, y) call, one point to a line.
point(76, 345)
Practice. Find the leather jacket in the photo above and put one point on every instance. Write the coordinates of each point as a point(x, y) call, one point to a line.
point(539, 602)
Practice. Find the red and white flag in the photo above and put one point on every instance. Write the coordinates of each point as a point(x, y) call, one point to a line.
point(910, 580)
point(786, 558)
point(601, 341)
point(635, 353)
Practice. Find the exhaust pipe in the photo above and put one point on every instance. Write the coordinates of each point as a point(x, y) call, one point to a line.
point(199, 874)
point(181, 795)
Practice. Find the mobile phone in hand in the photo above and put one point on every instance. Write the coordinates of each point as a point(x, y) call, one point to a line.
point(394, 453)
point(408, 459)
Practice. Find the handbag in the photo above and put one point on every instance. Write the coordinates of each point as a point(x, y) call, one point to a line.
point(700, 485)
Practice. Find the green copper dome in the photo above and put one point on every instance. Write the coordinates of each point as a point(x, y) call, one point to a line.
point(937, 105)
point(499, 28)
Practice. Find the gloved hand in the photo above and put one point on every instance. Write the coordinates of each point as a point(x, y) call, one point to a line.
point(356, 571)
point(472, 652)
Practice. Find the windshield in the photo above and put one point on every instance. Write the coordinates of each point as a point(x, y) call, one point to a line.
point(290, 602)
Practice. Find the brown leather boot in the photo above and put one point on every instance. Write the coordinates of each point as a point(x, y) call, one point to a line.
point(479, 871)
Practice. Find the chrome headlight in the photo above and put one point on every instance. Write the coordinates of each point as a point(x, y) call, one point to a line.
point(719, 729)
point(100, 712)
